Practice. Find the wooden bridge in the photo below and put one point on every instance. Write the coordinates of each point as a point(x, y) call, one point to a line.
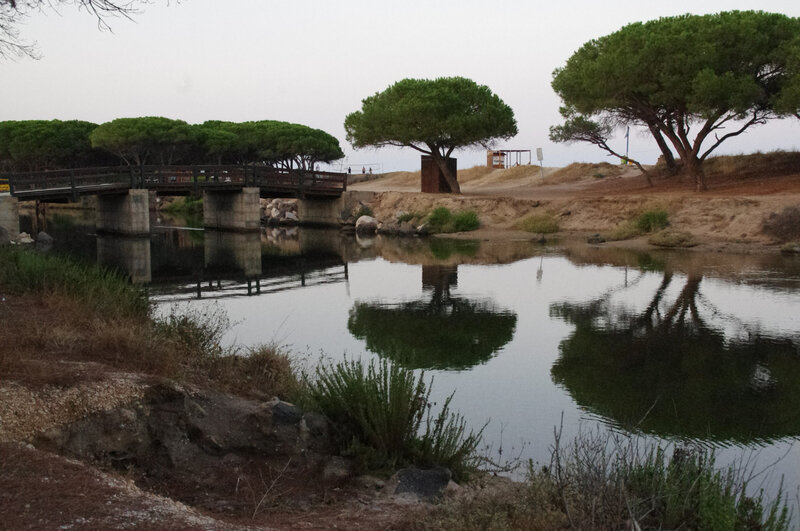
point(70, 184)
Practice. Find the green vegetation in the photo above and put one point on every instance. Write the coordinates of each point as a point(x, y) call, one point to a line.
point(377, 411)
point(85, 313)
point(648, 221)
point(42, 144)
point(652, 220)
point(608, 481)
point(185, 206)
point(104, 291)
point(672, 238)
point(442, 220)
point(39, 144)
point(364, 210)
point(434, 117)
point(539, 223)
point(743, 70)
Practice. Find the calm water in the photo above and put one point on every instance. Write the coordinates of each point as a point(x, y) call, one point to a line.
point(674, 346)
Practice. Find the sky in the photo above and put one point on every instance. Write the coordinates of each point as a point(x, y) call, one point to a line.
point(313, 61)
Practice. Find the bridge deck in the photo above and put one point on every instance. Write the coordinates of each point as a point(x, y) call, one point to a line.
point(59, 185)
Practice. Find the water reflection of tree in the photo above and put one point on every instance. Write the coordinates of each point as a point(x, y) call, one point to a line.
point(443, 332)
point(666, 370)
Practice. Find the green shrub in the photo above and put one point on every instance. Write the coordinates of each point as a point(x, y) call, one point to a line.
point(610, 481)
point(100, 289)
point(672, 238)
point(652, 220)
point(539, 223)
point(364, 210)
point(465, 220)
point(624, 231)
point(186, 206)
point(408, 216)
point(198, 332)
point(377, 413)
point(441, 220)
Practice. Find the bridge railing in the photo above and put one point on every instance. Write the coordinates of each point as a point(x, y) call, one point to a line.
point(74, 181)
point(176, 179)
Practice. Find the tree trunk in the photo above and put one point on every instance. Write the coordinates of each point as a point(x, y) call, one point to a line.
point(449, 177)
point(669, 158)
point(693, 168)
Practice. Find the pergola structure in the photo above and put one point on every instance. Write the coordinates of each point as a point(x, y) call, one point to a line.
point(505, 158)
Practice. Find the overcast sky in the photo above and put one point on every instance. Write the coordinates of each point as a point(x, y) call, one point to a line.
point(313, 61)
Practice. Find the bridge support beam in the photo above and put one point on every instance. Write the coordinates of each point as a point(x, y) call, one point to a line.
point(126, 213)
point(9, 217)
point(232, 210)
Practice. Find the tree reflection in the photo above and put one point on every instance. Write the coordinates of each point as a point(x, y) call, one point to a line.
point(443, 332)
point(666, 370)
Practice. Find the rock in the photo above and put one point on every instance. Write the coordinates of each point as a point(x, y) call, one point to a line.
point(336, 469)
point(23, 238)
point(275, 213)
point(425, 484)
point(286, 413)
point(4, 236)
point(423, 230)
point(407, 229)
point(366, 225)
point(595, 239)
point(291, 216)
point(390, 227)
point(44, 241)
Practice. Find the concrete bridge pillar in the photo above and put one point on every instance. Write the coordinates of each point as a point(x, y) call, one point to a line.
point(331, 211)
point(232, 210)
point(9, 217)
point(126, 213)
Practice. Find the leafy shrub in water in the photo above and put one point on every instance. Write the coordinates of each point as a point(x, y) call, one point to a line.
point(652, 220)
point(378, 410)
point(539, 223)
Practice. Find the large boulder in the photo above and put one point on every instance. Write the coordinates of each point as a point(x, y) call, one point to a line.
point(366, 225)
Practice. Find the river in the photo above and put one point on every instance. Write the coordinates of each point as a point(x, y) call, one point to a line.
point(673, 346)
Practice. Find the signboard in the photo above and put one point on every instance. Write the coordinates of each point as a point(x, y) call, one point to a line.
point(539, 155)
point(4, 186)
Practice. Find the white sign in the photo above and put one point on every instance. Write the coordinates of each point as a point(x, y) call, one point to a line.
point(539, 156)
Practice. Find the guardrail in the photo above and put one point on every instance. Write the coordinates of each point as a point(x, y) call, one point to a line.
point(177, 180)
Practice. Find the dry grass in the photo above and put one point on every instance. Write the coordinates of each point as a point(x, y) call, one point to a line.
point(772, 164)
point(49, 329)
point(580, 171)
point(783, 226)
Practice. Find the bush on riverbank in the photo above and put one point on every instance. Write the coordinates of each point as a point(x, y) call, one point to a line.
point(103, 291)
point(442, 220)
point(61, 310)
point(185, 206)
point(611, 481)
point(648, 221)
point(539, 224)
point(377, 411)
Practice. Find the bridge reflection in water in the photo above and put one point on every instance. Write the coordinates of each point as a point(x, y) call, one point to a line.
point(193, 264)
